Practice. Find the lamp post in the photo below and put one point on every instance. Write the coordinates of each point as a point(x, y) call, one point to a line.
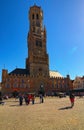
point(42, 89)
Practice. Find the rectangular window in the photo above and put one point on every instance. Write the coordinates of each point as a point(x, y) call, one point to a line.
point(7, 85)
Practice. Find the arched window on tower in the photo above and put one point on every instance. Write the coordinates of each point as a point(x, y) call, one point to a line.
point(38, 43)
point(37, 16)
point(32, 16)
point(40, 71)
point(33, 29)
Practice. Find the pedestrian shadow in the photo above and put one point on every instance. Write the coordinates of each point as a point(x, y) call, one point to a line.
point(37, 103)
point(12, 101)
point(14, 105)
point(64, 108)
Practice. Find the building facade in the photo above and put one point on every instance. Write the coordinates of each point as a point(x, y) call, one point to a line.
point(78, 83)
point(36, 73)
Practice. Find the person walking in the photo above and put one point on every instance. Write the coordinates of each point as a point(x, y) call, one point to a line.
point(1, 100)
point(72, 98)
point(20, 99)
point(41, 98)
point(33, 98)
point(26, 99)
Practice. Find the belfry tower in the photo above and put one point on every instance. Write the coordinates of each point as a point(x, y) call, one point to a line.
point(37, 62)
point(36, 76)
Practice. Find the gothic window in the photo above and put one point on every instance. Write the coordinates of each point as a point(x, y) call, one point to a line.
point(15, 80)
point(37, 23)
point(57, 85)
point(21, 85)
point(40, 69)
point(60, 85)
point(22, 81)
point(37, 16)
point(38, 43)
point(38, 31)
point(33, 29)
point(15, 85)
point(32, 16)
point(7, 85)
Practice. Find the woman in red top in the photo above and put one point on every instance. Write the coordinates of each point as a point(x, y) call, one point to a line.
point(72, 97)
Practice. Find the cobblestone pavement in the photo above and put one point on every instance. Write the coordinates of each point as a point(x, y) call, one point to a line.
point(54, 114)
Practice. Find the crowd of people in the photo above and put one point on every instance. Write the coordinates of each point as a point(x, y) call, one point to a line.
point(29, 98)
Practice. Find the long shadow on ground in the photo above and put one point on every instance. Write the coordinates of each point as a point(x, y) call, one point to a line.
point(14, 105)
point(64, 108)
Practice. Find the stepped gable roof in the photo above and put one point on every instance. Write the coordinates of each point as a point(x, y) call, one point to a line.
point(55, 74)
point(19, 71)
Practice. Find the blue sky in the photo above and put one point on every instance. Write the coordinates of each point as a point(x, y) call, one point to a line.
point(64, 21)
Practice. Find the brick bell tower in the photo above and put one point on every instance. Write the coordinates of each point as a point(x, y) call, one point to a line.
point(37, 62)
